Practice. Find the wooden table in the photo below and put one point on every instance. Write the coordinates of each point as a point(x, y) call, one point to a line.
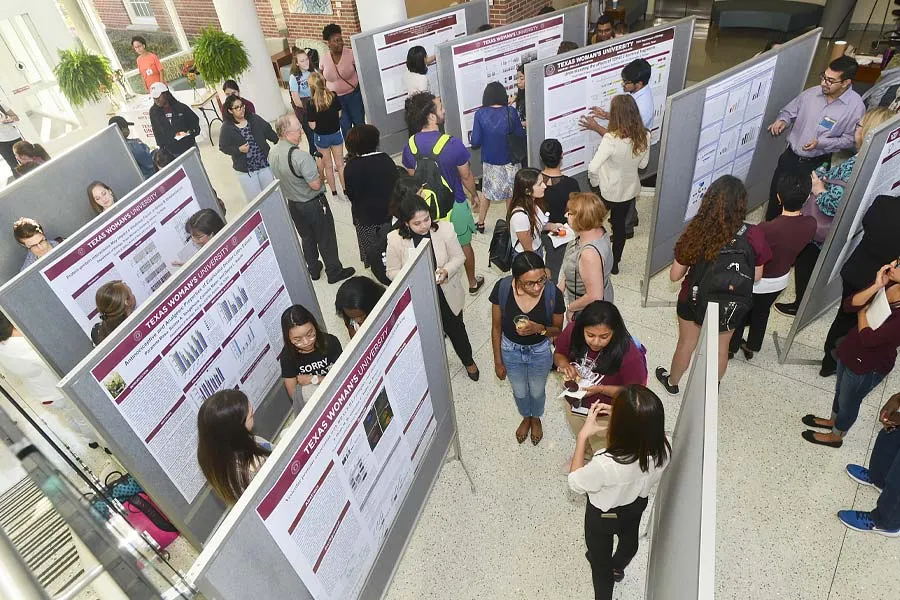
point(616, 14)
point(281, 59)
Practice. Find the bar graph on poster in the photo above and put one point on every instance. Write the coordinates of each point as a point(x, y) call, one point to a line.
point(332, 507)
point(220, 329)
point(574, 85)
point(733, 113)
point(496, 58)
point(392, 46)
point(143, 247)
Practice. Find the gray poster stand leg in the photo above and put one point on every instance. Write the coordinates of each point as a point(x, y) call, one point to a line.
point(783, 346)
point(457, 455)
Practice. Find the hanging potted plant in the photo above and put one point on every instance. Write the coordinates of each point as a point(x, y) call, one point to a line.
point(83, 77)
point(219, 56)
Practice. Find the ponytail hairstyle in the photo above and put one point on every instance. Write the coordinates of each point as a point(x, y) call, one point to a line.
point(115, 303)
point(322, 97)
point(523, 263)
point(33, 151)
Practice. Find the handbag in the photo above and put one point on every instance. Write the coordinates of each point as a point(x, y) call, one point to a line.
point(516, 145)
point(140, 510)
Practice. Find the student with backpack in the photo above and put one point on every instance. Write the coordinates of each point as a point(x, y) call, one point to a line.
point(527, 313)
point(440, 162)
point(717, 258)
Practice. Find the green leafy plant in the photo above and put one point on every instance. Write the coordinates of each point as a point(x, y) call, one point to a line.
point(219, 56)
point(83, 77)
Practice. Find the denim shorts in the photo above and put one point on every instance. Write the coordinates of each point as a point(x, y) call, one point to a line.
point(328, 140)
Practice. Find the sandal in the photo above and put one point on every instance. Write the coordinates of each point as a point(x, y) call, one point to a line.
point(522, 429)
point(479, 227)
point(537, 431)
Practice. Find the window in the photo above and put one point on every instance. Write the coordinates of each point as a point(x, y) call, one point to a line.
point(140, 11)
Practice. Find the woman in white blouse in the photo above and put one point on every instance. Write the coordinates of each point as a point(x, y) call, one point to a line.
point(618, 479)
point(418, 77)
point(526, 215)
point(613, 172)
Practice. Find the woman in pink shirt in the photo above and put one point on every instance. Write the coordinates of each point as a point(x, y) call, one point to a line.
point(339, 69)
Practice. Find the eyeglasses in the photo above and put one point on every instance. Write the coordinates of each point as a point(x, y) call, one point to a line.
point(535, 284)
point(858, 124)
point(40, 242)
point(237, 106)
point(829, 80)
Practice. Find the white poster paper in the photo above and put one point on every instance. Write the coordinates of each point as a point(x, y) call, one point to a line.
point(392, 46)
point(496, 58)
point(733, 113)
point(220, 329)
point(332, 507)
point(885, 180)
point(140, 247)
point(575, 85)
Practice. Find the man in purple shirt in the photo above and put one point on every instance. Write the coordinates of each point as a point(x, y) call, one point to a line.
point(424, 117)
point(822, 119)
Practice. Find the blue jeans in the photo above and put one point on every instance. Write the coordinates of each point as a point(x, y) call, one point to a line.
point(527, 368)
point(884, 470)
point(352, 110)
point(849, 391)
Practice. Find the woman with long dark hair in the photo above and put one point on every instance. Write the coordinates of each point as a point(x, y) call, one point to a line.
point(355, 299)
point(227, 451)
point(100, 196)
point(307, 355)
point(416, 224)
point(618, 480)
point(518, 99)
point(301, 94)
point(525, 215)
point(718, 227)
point(243, 137)
point(418, 77)
point(527, 313)
point(115, 302)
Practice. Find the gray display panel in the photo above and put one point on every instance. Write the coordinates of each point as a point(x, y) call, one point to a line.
point(390, 123)
point(876, 172)
point(574, 30)
point(613, 55)
point(228, 568)
point(198, 517)
point(49, 326)
point(681, 130)
point(682, 561)
point(56, 193)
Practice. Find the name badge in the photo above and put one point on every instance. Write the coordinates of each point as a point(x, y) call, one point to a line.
point(149, 71)
point(827, 123)
point(411, 253)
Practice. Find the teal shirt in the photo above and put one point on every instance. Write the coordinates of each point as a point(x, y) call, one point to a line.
point(830, 199)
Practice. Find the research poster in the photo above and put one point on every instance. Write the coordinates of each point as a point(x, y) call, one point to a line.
point(885, 180)
point(733, 113)
point(496, 58)
point(392, 46)
point(143, 247)
point(575, 85)
point(331, 508)
point(219, 329)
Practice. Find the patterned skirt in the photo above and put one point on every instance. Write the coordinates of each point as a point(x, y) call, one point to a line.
point(497, 181)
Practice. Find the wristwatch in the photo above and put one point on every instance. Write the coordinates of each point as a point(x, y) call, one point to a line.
point(315, 380)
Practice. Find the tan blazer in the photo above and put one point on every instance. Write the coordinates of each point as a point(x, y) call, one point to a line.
point(447, 253)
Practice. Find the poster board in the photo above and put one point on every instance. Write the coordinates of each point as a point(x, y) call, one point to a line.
point(562, 89)
point(681, 137)
point(137, 241)
point(56, 192)
point(467, 65)
point(682, 561)
point(299, 514)
point(216, 324)
point(381, 62)
point(877, 172)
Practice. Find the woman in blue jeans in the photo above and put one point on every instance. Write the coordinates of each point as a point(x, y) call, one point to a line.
point(526, 314)
point(864, 358)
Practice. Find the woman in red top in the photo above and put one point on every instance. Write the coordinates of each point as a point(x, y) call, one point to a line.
point(339, 69)
point(864, 358)
point(147, 63)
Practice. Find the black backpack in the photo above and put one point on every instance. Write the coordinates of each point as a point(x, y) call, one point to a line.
point(428, 174)
point(728, 278)
point(500, 252)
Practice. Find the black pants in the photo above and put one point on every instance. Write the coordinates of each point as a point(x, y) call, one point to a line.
point(599, 529)
point(790, 162)
point(618, 218)
point(757, 319)
point(632, 220)
point(840, 327)
point(803, 268)
point(8, 155)
point(315, 224)
point(455, 329)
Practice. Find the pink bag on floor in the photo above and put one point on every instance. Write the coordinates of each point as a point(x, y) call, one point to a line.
point(144, 515)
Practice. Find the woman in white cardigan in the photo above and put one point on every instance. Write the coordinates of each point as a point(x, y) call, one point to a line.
point(415, 224)
point(614, 169)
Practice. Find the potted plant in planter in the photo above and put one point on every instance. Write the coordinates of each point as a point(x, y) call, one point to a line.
point(219, 56)
point(83, 77)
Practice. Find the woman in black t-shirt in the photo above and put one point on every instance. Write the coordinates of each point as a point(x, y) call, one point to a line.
point(526, 314)
point(324, 117)
point(307, 355)
point(556, 197)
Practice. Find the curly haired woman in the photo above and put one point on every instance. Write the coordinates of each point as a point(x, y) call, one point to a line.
point(718, 227)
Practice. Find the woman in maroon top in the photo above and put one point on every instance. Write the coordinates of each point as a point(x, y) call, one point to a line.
point(864, 358)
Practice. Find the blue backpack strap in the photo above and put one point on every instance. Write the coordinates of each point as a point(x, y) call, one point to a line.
point(549, 300)
point(504, 291)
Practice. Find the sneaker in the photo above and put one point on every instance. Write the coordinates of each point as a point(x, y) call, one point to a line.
point(858, 520)
point(662, 375)
point(860, 475)
point(342, 275)
point(788, 309)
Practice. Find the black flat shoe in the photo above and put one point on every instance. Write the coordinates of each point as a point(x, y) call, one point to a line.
point(747, 352)
point(810, 421)
point(479, 281)
point(474, 376)
point(479, 227)
point(808, 435)
point(827, 370)
point(787, 309)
